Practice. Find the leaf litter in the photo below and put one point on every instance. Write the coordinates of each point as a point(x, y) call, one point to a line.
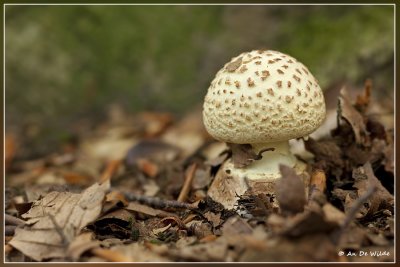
point(147, 201)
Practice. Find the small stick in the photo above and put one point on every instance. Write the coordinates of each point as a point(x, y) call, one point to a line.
point(110, 170)
point(317, 184)
point(353, 211)
point(11, 220)
point(159, 203)
point(188, 183)
point(357, 205)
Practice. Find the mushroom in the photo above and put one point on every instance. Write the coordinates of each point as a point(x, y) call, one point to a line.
point(263, 98)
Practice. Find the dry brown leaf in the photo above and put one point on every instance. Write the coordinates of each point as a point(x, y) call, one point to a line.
point(173, 220)
point(116, 196)
point(111, 168)
point(333, 214)
point(311, 221)
point(208, 238)
point(81, 244)
point(213, 218)
point(199, 228)
point(161, 230)
point(364, 178)
point(363, 101)
point(134, 206)
point(236, 225)
point(290, 191)
point(138, 253)
point(117, 223)
point(353, 117)
point(55, 220)
point(150, 188)
point(256, 204)
point(147, 167)
point(318, 180)
point(310, 248)
point(210, 251)
point(74, 177)
point(316, 190)
point(243, 154)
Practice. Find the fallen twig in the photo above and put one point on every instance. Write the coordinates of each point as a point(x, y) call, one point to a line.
point(188, 183)
point(357, 206)
point(110, 170)
point(160, 203)
point(317, 184)
point(353, 212)
point(11, 220)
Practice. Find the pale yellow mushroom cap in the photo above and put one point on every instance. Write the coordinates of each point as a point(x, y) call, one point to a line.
point(263, 96)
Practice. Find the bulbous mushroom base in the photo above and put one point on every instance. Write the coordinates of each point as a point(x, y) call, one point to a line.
point(230, 183)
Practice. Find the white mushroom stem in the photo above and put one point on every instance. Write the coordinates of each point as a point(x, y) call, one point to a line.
point(269, 164)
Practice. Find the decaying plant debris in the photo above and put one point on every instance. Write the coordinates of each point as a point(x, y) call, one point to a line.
point(136, 191)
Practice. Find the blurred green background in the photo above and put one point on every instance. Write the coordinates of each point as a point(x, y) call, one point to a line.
point(68, 62)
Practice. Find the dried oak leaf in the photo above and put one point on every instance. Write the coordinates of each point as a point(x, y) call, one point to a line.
point(290, 191)
point(255, 204)
point(236, 225)
point(243, 154)
point(364, 178)
point(213, 218)
point(353, 117)
point(310, 248)
point(362, 101)
point(117, 223)
point(55, 220)
point(210, 251)
point(81, 244)
point(138, 253)
point(144, 209)
point(310, 221)
point(199, 229)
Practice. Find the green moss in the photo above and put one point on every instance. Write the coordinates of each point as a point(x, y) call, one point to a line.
point(65, 62)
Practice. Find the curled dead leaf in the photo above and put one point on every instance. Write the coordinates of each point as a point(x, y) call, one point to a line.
point(290, 191)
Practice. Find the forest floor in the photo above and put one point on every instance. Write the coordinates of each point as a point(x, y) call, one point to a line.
point(134, 189)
